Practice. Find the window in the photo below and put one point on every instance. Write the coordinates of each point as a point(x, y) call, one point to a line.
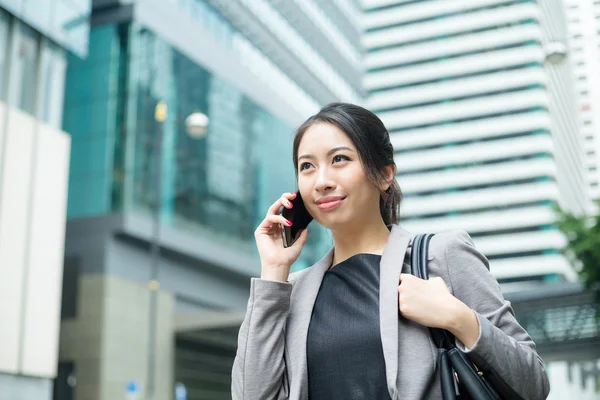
point(583, 92)
point(23, 69)
point(4, 29)
point(592, 169)
point(54, 69)
point(587, 122)
point(591, 153)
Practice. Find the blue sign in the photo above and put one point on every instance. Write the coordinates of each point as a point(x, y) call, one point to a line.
point(132, 389)
point(180, 391)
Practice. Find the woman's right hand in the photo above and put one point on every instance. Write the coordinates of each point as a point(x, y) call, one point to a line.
point(275, 259)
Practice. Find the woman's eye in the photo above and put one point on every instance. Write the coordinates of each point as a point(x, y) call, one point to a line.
point(304, 166)
point(340, 157)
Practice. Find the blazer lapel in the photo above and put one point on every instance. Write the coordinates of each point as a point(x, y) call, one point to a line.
point(392, 261)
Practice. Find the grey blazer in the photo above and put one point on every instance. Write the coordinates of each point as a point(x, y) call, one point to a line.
point(271, 357)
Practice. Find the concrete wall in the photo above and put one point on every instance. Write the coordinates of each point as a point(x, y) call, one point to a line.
point(108, 339)
point(105, 334)
point(34, 161)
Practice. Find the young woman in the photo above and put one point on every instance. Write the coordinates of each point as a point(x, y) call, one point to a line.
point(354, 325)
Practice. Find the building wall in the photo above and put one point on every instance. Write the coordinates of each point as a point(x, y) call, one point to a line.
point(34, 166)
point(33, 188)
point(65, 22)
point(107, 342)
point(481, 123)
point(104, 332)
point(583, 19)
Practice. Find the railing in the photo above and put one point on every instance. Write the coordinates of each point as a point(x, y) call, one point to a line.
point(563, 321)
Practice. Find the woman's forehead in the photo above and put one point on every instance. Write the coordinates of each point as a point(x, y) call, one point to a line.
point(322, 137)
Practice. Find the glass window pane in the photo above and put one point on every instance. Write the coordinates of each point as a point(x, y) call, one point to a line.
point(4, 26)
point(23, 71)
point(54, 69)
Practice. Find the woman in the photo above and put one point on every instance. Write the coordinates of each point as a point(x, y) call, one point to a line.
point(354, 325)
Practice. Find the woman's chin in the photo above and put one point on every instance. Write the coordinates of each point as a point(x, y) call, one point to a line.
point(335, 222)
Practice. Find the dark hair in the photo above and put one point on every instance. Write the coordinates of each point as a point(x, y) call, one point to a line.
point(372, 142)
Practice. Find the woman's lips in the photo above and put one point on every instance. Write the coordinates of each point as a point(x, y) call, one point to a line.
point(329, 204)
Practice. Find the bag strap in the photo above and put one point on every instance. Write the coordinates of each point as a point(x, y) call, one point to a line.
point(419, 254)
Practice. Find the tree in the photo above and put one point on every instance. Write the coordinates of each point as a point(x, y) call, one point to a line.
point(583, 243)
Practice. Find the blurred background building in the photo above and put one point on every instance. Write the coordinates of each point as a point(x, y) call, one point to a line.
point(583, 21)
point(35, 37)
point(255, 69)
point(482, 108)
point(478, 99)
point(166, 125)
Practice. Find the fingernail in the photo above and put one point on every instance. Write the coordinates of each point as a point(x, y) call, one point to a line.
point(290, 204)
point(288, 223)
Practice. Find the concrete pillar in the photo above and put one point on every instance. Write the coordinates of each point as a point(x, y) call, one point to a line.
point(108, 339)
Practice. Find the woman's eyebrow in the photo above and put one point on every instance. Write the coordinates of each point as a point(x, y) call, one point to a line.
point(330, 152)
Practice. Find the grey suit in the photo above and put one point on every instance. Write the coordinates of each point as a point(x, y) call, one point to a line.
point(271, 355)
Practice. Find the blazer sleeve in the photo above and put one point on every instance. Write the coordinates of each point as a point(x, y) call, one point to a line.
point(259, 370)
point(503, 345)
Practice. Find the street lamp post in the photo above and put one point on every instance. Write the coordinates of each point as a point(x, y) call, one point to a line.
point(196, 127)
point(160, 116)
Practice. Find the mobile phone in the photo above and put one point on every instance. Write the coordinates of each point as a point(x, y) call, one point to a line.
point(299, 217)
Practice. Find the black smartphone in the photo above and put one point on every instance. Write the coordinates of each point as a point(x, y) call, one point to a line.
point(299, 217)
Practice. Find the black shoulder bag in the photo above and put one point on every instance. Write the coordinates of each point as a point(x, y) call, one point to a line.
point(460, 378)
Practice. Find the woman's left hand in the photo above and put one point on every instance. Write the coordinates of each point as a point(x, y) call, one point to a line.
point(428, 303)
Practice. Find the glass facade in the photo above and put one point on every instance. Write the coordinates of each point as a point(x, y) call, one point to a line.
point(23, 70)
point(220, 184)
point(32, 71)
point(4, 41)
point(64, 21)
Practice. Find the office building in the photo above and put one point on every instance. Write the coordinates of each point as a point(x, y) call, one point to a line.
point(479, 101)
point(254, 69)
point(35, 38)
point(583, 23)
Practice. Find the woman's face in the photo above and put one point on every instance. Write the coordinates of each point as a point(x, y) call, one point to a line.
point(331, 178)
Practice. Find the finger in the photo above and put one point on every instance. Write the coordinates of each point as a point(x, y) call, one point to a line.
point(282, 201)
point(406, 277)
point(271, 222)
point(286, 203)
point(290, 195)
point(277, 219)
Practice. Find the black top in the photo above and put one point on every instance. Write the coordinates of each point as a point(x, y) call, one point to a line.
point(344, 351)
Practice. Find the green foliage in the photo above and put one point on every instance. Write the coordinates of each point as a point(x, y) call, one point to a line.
point(583, 236)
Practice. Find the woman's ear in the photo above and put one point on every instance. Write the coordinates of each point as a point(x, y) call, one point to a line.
point(389, 174)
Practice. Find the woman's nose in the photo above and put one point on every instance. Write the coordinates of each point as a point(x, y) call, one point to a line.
point(324, 182)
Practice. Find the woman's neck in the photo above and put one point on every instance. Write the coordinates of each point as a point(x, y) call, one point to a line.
point(361, 238)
